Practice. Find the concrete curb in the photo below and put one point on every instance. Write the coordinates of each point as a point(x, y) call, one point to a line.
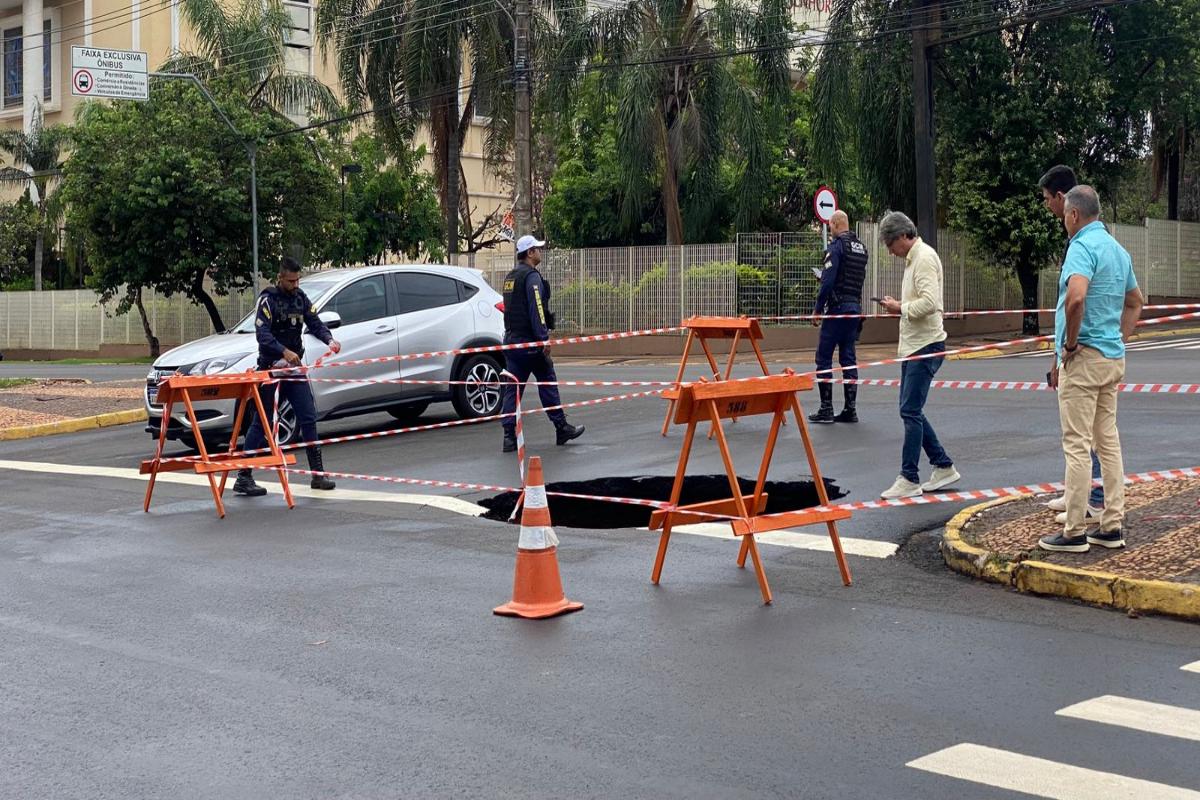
point(74, 425)
point(1037, 577)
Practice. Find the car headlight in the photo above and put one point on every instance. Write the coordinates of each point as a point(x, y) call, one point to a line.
point(212, 366)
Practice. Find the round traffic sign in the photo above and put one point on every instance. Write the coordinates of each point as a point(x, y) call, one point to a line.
point(824, 204)
point(83, 81)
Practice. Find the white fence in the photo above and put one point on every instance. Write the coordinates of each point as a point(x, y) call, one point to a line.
point(627, 288)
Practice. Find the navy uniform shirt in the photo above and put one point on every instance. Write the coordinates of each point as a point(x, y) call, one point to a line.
point(279, 322)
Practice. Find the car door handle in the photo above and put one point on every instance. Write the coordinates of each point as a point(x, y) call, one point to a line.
point(385, 329)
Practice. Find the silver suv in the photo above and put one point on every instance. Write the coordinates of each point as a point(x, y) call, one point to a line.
point(374, 312)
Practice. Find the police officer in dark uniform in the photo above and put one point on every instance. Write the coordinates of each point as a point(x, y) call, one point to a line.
point(840, 293)
point(526, 319)
point(282, 313)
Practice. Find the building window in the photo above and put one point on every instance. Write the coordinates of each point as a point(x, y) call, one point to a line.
point(13, 74)
point(483, 103)
point(297, 48)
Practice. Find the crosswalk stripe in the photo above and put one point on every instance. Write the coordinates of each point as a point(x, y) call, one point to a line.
point(1041, 778)
point(1192, 667)
point(1140, 715)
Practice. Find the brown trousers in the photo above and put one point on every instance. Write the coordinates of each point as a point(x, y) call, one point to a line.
point(1087, 408)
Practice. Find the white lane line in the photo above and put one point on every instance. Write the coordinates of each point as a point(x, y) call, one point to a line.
point(1192, 667)
point(1041, 778)
point(1126, 712)
point(869, 548)
point(452, 504)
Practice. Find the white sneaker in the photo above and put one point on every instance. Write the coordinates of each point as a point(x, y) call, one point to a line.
point(1058, 504)
point(903, 487)
point(941, 478)
point(1092, 517)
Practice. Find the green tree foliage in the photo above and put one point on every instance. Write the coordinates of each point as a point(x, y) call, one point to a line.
point(684, 112)
point(391, 207)
point(37, 160)
point(242, 42)
point(160, 192)
point(19, 228)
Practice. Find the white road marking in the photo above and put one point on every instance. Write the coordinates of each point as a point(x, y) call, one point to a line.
point(869, 548)
point(1041, 778)
point(1192, 667)
point(452, 504)
point(1126, 712)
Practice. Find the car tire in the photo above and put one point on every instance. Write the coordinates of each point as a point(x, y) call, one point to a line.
point(480, 395)
point(408, 412)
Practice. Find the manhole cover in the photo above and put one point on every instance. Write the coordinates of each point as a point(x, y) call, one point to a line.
point(570, 512)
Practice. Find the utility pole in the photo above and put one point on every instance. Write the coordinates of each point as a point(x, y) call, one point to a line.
point(523, 204)
point(922, 90)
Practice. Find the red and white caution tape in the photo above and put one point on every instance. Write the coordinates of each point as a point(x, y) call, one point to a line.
point(1027, 386)
point(982, 313)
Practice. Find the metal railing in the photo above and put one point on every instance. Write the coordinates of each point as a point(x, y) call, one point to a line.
point(627, 288)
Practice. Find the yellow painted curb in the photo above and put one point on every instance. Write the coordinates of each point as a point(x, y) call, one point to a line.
point(74, 425)
point(1040, 577)
point(992, 353)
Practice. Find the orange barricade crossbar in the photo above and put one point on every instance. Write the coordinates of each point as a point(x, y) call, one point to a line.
point(704, 329)
point(244, 389)
point(717, 401)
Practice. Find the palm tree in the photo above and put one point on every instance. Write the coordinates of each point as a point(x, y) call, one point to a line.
point(244, 43)
point(404, 59)
point(37, 162)
point(684, 104)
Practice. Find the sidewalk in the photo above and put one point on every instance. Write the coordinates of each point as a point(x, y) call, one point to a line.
point(62, 405)
point(1158, 570)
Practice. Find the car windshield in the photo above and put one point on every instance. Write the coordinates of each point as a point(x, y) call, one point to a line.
point(315, 289)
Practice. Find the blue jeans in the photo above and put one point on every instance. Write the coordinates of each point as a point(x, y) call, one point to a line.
point(842, 334)
point(1096, 498)
point(300, 396)
point(915, 377)
point(523, 363)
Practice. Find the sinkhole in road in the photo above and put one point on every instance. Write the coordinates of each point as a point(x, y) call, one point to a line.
point(570, 512)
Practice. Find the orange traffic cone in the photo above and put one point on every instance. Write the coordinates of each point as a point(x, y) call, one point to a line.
point(537, 588)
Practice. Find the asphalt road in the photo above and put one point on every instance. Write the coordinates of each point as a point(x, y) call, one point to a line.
point(347, 648)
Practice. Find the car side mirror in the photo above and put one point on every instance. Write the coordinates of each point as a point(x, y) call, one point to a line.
point(332, 319)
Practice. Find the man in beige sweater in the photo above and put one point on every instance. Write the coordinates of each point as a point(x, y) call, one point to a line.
point(921, 334)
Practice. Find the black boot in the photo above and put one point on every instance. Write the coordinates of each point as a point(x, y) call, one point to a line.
point(824, 414)
point(849, 413)
point(567, 432)
point(510, 443)
point(245, 485)
point(316, 464)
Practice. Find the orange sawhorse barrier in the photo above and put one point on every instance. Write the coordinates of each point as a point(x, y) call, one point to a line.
point(244, 389)
point(704, 329)
point(713, 402)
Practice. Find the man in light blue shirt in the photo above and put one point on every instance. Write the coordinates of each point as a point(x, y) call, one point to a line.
point(1099, 304)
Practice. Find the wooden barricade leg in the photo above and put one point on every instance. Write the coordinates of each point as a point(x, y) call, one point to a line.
point(822, 495)
point(676, 492)
point(762, 362)
point(687, 349)
point(748, 542)
point(237, 429)
point(764, 467)
point(275, 451)
point(162, 441)
point(212, 480)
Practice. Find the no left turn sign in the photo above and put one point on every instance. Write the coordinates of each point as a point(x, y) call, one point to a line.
point(83, 81)
point(824, 204)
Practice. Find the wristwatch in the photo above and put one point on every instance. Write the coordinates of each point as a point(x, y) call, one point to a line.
point(1070, 348)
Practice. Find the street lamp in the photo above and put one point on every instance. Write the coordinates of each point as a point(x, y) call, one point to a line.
point(347, 169)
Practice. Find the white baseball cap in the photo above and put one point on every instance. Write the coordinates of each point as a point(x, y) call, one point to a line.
point(528, 242)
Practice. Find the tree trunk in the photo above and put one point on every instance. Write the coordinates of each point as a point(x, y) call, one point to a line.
point(38, 251)
point(1028, 277)
point(670, 191)
point(151, 339)
point(453, 151)
point(198, 292)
